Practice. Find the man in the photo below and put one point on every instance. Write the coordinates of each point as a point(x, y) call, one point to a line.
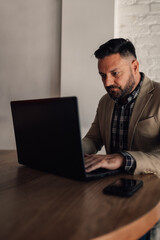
point(127, 121)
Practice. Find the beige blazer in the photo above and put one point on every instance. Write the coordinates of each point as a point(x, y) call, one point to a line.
point(143, 132)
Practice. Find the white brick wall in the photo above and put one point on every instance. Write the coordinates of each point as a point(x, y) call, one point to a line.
point(139, 21)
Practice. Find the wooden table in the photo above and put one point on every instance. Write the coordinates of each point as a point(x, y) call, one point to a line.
point(37, 205)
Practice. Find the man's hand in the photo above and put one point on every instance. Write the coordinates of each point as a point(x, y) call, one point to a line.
point(110, 161)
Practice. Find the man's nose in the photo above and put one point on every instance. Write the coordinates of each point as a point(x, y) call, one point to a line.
point(109, 81)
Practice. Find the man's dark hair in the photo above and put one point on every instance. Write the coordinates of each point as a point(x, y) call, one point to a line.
point(118, 45)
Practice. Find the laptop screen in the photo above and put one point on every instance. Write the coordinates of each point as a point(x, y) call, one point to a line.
point(48, 135)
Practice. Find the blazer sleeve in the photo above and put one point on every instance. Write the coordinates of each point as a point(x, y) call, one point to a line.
point(147, 162)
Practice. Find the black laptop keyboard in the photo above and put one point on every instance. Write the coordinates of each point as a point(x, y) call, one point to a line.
point(102, 172)
point(99, 171)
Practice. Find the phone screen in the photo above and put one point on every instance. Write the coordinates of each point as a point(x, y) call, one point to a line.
point(123, 187)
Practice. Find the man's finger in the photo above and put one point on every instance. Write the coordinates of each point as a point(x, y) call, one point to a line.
point(91, 161)
point(93, 167)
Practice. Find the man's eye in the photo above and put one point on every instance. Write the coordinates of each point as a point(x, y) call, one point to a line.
point(115, 73)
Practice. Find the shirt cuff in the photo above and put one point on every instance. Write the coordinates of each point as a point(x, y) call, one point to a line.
point(130, 163)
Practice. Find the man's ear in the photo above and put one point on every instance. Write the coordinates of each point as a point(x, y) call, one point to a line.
point(135, 66)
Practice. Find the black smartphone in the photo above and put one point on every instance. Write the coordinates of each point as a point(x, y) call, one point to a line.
point(123, 187)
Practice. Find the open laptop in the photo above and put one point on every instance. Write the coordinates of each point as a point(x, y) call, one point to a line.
point(47, 133)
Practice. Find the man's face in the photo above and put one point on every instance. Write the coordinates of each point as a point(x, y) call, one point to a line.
point(118, 75)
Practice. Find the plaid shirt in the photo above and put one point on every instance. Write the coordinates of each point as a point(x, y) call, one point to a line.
point(120, 123)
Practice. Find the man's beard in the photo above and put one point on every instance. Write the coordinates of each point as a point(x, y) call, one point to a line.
point(122, 92)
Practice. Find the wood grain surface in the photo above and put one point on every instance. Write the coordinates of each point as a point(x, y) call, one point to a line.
point(38, 205)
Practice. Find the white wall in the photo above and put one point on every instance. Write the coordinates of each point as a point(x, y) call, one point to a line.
point(30, 51)
point(139, 20)
point(29, 56)
point(30, 35)
point(86, 24)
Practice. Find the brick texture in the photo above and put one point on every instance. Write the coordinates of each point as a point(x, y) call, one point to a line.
point(139, 21)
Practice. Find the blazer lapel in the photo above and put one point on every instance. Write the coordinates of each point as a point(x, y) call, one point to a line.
point(109, 113)
point(140, 104)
